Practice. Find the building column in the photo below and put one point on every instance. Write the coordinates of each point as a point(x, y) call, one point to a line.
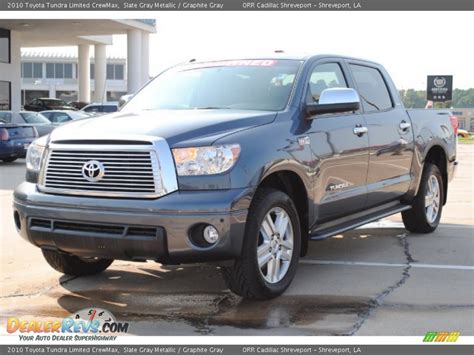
point(134, 63)
point(145, 57)
point(100, 73)
point(13, 70)
point(84, 78)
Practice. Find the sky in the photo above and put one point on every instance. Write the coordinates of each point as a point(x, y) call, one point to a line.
point(411, 45)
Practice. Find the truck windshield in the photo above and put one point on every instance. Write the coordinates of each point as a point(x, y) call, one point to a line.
point(236, 84)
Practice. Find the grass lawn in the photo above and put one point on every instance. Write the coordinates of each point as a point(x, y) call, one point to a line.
point(466, 140)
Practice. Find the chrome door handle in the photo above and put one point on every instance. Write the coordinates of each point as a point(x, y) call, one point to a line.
point(360, 131)
point(404, 125)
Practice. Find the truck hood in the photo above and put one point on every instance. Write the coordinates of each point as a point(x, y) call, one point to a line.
point(178, 127)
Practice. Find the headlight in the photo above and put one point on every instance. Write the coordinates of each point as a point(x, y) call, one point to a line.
point(205, 160)
point(35, 153)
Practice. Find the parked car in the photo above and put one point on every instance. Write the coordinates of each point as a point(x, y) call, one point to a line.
point(123, 100)
point(240, 162)
point(78, 104)
point(63, 116)
point(43, 104)
point(101, 109)
point(462, 133)
point(35, 119)
point(15, 140)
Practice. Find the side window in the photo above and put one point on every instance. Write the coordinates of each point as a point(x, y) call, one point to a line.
point(372, 88)
point(92, 109)
point(324, 76)
point(60, 117)
point(48, 115)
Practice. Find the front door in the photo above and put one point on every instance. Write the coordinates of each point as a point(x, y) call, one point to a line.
point(340, 155)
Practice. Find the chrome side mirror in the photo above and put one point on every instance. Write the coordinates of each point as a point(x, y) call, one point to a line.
point(334, 100)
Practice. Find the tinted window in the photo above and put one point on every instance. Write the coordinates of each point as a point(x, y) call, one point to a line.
point(235, 84)
point(37, 70)
point(118, 72)
point(372, 88)
point(48, 115)
point(60, 117)
point(50, 70)
point(325, 76)
point(54, 103)
point(5, 95)
point(68, 71)
point(4, 46)
point(27, 70)
point(109, 108)
point(110, 71)
point(59, 71)
point(91, 109)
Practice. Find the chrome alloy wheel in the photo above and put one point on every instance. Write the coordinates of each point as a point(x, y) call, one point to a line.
point(432, 199)
point(275, 245)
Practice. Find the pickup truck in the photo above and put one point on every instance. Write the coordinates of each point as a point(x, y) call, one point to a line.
point(240, 162)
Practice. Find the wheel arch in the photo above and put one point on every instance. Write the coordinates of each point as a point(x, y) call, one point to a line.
point(291, 183)
point(436, 155)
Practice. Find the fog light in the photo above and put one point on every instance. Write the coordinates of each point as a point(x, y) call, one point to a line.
point(210, 234)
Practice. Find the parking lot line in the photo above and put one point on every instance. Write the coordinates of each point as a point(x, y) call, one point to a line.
point(365, 263)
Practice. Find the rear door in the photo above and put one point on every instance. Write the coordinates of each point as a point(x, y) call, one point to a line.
point(340, 154)
point(391, 143)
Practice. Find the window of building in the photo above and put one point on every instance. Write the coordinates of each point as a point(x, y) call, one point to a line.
point(324, 76)
point(92, 70)
point(68, 71)
point(50, 70)
point(59, 70)
point(4, 46)
point(372, 88)
point(32, 70)
point(114, 71)
point(5, 95)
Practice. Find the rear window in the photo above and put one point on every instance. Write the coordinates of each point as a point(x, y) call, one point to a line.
point(33, 117)
point(372, 88)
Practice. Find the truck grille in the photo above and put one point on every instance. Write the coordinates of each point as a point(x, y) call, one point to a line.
point(124, 173)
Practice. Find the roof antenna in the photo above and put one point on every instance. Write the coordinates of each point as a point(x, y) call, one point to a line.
point(279, 51)
point(192, 60)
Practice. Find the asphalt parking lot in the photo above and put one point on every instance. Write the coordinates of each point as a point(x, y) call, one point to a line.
point(376, 280)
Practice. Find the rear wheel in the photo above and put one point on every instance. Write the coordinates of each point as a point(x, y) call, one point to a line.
point(74, 265)
point(271, 248)
point(425, 214)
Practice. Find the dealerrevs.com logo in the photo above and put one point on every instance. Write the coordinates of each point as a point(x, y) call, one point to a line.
point(86, 324)
point(441, 337)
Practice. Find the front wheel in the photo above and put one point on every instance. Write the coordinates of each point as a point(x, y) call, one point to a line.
point(74, 265)
point(270, 250)
point(9, 159)
point(425, 214)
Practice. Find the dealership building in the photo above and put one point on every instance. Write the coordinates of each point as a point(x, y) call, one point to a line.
point(62, 75)
point(55, 74)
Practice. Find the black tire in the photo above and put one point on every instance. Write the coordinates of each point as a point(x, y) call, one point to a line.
point(73, 265)
point(415, 219)
point(245, 278)
point(9, 160)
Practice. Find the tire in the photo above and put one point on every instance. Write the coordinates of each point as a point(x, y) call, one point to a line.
point(246, 278)
point(73, 265)
point(419, 219)
point(9, 160)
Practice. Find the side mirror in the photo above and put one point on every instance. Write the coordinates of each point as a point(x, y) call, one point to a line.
point(334, 100)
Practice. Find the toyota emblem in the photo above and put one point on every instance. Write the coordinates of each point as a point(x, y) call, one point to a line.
point(93, 170)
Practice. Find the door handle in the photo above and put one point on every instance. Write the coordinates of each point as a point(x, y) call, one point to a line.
point(360, 131)
point(404, 125)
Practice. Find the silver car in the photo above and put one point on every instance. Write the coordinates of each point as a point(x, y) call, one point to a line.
point(35, 119)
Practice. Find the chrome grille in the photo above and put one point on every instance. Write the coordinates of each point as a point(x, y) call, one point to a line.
point(127, 173)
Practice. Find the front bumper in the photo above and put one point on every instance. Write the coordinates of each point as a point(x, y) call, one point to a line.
point(131, 229)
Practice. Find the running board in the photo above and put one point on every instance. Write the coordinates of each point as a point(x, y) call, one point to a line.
point(332, 228)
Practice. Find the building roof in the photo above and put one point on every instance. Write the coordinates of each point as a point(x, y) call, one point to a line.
point(56, 53)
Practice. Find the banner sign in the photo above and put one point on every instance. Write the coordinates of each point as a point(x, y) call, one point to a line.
point(235, 5)
point(440, 88)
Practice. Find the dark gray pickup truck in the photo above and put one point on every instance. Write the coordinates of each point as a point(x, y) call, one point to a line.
point(241, 162)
